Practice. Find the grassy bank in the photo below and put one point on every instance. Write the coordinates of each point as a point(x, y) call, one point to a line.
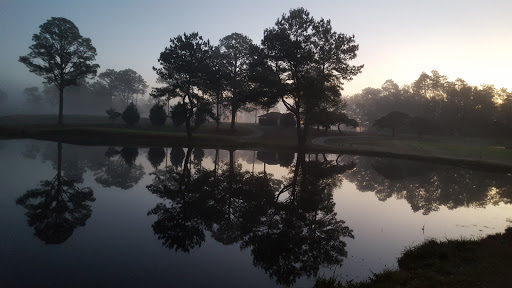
point(98, 130)
point(442, 149)
point(484, 262)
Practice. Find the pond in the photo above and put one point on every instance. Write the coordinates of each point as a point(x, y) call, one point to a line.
point(79, 216)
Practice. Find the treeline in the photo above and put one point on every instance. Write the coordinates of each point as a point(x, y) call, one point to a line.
point(438, 106)
point(110, 89)
point(301, 62)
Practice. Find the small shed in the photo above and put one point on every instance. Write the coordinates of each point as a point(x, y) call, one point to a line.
point(283, 159)
point(270, 119)
point(276, 119)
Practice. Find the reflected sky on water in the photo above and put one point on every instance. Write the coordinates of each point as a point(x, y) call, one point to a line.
point(164, 216)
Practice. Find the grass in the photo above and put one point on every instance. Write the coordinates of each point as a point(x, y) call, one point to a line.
point(471, 149)
point(482, 262)
point(98, 130)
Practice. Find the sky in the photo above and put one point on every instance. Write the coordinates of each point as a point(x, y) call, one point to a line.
point(397, 39)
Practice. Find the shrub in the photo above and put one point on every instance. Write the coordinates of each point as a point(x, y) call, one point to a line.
point(202, 113)
point(157, 115)
point(178, 114)
point(113, 114)
point(131, 115)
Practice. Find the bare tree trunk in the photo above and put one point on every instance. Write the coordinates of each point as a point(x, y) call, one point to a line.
point(253, 160)
point(233, 115)
point(187, 123)
point(188, 114)
point(216, 162)
point(218, 111)
point(61, 106)
point(300, 134)
point(59, 164)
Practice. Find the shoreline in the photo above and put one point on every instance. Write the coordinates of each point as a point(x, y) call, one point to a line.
point(90, 135)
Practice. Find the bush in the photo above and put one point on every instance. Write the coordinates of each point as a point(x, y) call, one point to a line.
point(131, 115)
point(113, 114)
point(178, 114)
point(202, 113)
point(157, 115)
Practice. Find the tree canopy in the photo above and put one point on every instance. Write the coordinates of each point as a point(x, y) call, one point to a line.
point(437, 106)
point(393, 120)
point(235, 57)
point(61, 56)
point(185, 65)
point(123, 85)
point(306, 62)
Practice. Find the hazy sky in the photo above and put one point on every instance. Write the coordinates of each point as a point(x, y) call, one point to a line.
point(398, 40)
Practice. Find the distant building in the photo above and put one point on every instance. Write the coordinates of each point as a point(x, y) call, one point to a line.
point(270, 119)
point(283, 159)
point(277, 119)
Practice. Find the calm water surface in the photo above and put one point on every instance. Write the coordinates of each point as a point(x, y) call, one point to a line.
point(76, 216)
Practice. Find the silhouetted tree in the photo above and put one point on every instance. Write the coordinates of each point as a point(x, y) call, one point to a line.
point(235, 50)
point(129, 155)
point(58, 207)
point(185, 65)
point(505, 108)
point(123, 85)
point(113, 115)
point(216, 82)
point(157, 115)
point(179, 114)
point(177, 156)
point(131, 115)
point(61, 56)
point(291, 230)
point(181, 223)
point(198, 157)
point(393, 120)
point(156, 156)
point(33, 97)
point(420, 125)
point(309, 61)
point(427, 187)
point(118, 169)
point(301, 232)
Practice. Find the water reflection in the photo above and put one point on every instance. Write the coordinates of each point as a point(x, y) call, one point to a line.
point(156, 156)
point(290, 227)
point(427, 187)
point(286, 220)
point(118, 169)
point(58, 207)
point(284, 159)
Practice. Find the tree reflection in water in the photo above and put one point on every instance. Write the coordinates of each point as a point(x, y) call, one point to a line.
point(427, 187)
point(156, 156)
point(58, 207)
point(119, 169)
point(290, 227)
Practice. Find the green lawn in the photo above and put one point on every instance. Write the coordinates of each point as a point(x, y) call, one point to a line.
point(98, 130)
point(482, 149)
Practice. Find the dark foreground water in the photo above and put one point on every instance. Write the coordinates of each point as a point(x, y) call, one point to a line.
point(75, 216)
